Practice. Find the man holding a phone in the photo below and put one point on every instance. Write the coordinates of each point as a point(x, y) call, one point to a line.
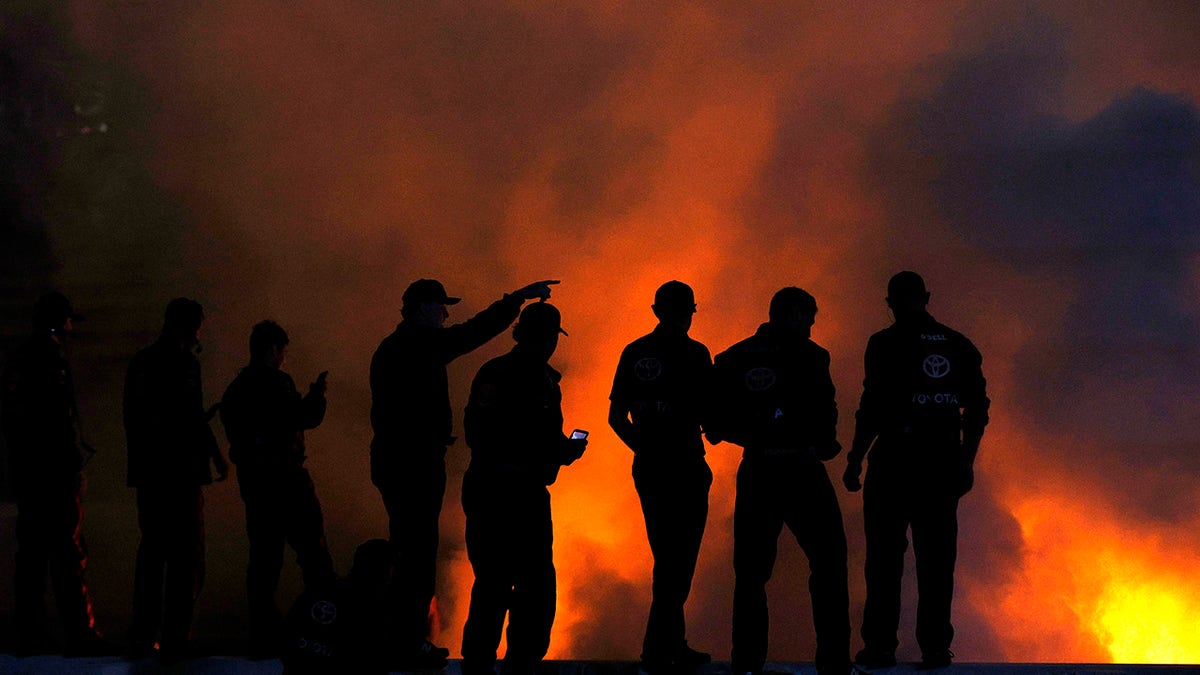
point(412, 422)
point(657, 408)
point(265, 419)
point(514, 424)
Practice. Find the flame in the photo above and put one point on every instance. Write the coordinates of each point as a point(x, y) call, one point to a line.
point(1127, 595)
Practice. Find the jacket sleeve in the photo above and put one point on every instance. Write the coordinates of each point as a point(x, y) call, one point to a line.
point(868, 421)
point(825, 404)
point(310, 410)
point(469, 335)
point(975, 403)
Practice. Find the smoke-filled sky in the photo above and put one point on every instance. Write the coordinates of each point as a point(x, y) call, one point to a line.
point(1037, 162)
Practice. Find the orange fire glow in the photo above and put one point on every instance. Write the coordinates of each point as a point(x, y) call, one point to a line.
point(324, 158)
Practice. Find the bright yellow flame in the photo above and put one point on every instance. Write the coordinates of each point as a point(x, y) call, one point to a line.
point(1148, 620)
point(1126, 593)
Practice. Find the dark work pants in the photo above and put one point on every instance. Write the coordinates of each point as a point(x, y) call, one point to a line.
point(49, 537)
point(510, 541)
point(281, 508)
point(796, 491)
point(674, 496)
point(412, 495)
point(893, 501)
point(170, 554)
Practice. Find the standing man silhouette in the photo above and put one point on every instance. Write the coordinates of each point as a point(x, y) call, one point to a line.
point(46, 460)
point(514, 425)
point(265, 419)
point(171, 450)
point(776, 400)
point(923, 410)
point(412, 421)
point(657, 408)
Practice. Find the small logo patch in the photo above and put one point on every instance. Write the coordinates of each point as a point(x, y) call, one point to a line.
point(323, 612)
point(936, 366)
point(760, 379)
point(647, 369)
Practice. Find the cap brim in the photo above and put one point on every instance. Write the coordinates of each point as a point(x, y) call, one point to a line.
point(563, 331)
point(451, 301)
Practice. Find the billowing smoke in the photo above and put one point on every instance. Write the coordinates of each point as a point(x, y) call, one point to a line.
point(1036, 162)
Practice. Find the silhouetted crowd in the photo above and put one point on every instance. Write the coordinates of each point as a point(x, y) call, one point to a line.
point(920, 420)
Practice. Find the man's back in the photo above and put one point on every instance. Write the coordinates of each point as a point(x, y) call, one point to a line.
point(166, 428)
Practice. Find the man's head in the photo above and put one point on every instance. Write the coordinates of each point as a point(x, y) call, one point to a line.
point(53, 313)
point(674, 304)
point(425, 302)
point(538, 328)
point(268, 344)
point(182, 321)
point(793, 310)
point(906, 294)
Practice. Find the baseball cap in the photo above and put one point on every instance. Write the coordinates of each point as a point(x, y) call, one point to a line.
point(541, 317)
point(427, 290)
point(52, 309)
point(675, 295)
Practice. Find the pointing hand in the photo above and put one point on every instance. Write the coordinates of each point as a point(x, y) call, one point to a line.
point(538, 289)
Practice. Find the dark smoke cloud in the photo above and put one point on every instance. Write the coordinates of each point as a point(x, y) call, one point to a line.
point(1108, 209)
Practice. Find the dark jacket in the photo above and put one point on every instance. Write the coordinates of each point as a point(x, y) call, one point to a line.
point(774, 393)
point(265, 418)
point(41, 421)
point(664, 379)
point(514, 419)
point(166, 428)
point(922, 380)
point(410, 393)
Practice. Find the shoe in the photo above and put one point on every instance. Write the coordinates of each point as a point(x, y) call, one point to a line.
point(140, 650)
point(655, 665)
point(936, 659)
point(875, 658)
point(90, 643)
point(427, 656)
point(690, 658)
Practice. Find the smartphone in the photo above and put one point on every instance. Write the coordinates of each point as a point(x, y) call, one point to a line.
point(578, 434)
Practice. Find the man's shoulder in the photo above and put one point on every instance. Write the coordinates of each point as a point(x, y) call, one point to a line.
point(814, 351)
point(740, 349)
point(496, 367)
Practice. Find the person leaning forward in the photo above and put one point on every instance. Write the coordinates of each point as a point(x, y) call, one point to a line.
point(658, 404)
point(412, 424)
point(923, 410)
point(775, 398)
point(265, 419)
point(514, 426)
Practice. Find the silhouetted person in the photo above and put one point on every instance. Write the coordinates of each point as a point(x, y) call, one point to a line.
point(924, 406)
point(344, 629)
point(514, 424)
point(46, 460)
point(412, 421)
point(658, 401)
point(171, 452)
point(776, 400)
point(265, 419)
